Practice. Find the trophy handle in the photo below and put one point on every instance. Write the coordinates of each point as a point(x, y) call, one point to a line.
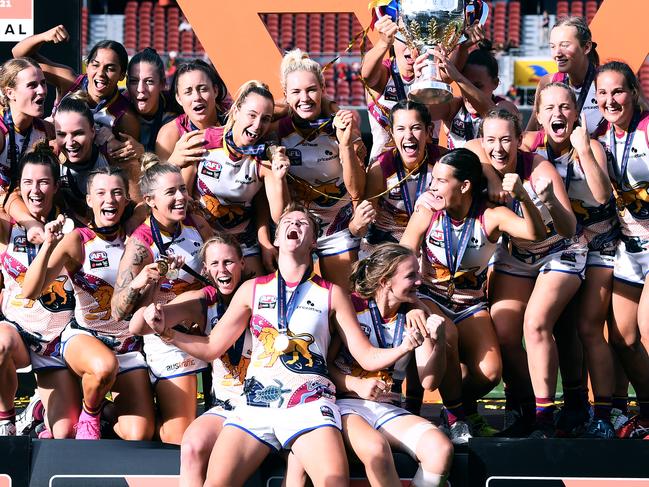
point(482, 20)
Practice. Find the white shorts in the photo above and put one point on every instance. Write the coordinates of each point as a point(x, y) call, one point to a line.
point(167, 361)
point(455, 316)
point(632, 260)
point(43, 363)
point(601, 258)
point(127, 361)
point(569, 261)
point(375, 413)
point(279, 427)
point(337, 243)
point(218, 411)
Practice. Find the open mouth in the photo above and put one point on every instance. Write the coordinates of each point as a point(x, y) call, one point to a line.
point(499, 158)
point(253, 136)
point(292, 235)
point(199, 108)
point(73, 152)
point(410, 148)
point(36, 200)
point(109, 212)
point(224, 280)
point(558, 127)
point(100, 83)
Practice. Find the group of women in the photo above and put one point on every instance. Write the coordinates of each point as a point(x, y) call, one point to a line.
point(139, 228)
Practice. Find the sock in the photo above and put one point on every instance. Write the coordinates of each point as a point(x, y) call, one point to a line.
point(621, 403)
point(602, 407)
point(512, 402)
point(544, 410)
point(528, 409)
point(572, 396)
point(39, 411)
point(454, 411)
point(8, 415)
point(91, 411)
point(427, 479)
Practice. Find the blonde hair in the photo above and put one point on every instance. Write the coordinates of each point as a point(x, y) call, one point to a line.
point(223, 239)
point(252, 86)
point(152, 167)
point(380, 265)
point(8, 73)
point(298, 60)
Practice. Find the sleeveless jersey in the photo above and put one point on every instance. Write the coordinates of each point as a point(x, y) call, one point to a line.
point(465, 126)
point(188, 244)
point(228, 373)
point(379, 110)
point(393, 376)
point(553, 242)
point(590, 109)
point(470, 280)
point(632, 187)
point(149, 127)
point(105, 114)
point(226, 185)
point(94, 284)
point(392, 216)
point(298, 375)
point(317, 163)
point(37, 133)
point(598, 222)
point(41, 321)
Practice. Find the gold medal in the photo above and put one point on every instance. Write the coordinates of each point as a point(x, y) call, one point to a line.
point(619, 202)
point(450, 290)
point(172, 274)
point(163, 267)
point(282, 343)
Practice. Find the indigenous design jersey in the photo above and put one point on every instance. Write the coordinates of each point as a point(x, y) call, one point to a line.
point(226, 187)
point(394, 376)
point(298, 375)
point(106, 114)
point(464, 126)
point(187, 244)
point(590, 109)
point(41, 321)
point(525, 250)
point(317, 162)
point(598, 222)
point(470, 280)
point(228, 371)
point(37, 133)
point(392, 216)
point(379, 110)
point(632, 194)
point(94, 284)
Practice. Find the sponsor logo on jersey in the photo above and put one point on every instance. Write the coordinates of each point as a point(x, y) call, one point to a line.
point(295, 156)
point(391, 93)
point(20, 243)
point(309, 306)
point(211, 169)
point(267, 301)
point(98, 259)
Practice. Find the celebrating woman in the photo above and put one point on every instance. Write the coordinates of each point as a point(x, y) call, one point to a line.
point(581, 162)
point(160, 262)
point(97, 348)
point(385, 288)
point(325, 173)
point(625, 136)
point(459, 233)
point(289, 313)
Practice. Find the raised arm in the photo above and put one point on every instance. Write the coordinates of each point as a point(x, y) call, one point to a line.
point(592, 160)
point(59, 75)
point(372, 69)
point(549, 187)
point(346, 123)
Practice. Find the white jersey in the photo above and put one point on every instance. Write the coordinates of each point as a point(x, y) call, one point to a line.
point(24, 142)
point(94, 285)
point(298, 375)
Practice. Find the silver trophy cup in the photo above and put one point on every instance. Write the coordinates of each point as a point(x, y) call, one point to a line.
point(425, 24)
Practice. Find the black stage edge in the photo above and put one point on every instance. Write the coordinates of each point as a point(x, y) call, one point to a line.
point(485, 462)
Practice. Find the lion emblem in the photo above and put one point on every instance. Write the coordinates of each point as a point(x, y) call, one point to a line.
point(227, 215)
point(54, 294)
point(102, 295)
point(306, 193)
point(298, 345)
point(236, 373)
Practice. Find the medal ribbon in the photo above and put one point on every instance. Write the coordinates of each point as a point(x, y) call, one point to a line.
point(14, 155)
point(585, 87)
point(236, 350)
point(619, 168)
point(256, 150)
point(285, 310)
point(570, 168)
point(453, 261)
point(403, 183)
point(397, 80)
point(325, 124)
point(377, 322)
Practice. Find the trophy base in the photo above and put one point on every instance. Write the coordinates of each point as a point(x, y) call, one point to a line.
point(430, 92)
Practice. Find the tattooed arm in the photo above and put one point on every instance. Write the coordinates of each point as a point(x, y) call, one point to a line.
point(136, 279)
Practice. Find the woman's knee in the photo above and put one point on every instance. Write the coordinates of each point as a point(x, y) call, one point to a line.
point(436, 452)
point(194, 448)
point(135, 430)
point(536, 329)
point(104, 368)
point(375, 449)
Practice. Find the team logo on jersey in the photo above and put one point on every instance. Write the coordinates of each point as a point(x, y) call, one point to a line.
point(395, 193)
point(211, 169)
point(267, 301)
point(295, 156)
point(98, 259)
point(20, 243)
point(327, 412)
point(458, 126)
point(391, 93)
